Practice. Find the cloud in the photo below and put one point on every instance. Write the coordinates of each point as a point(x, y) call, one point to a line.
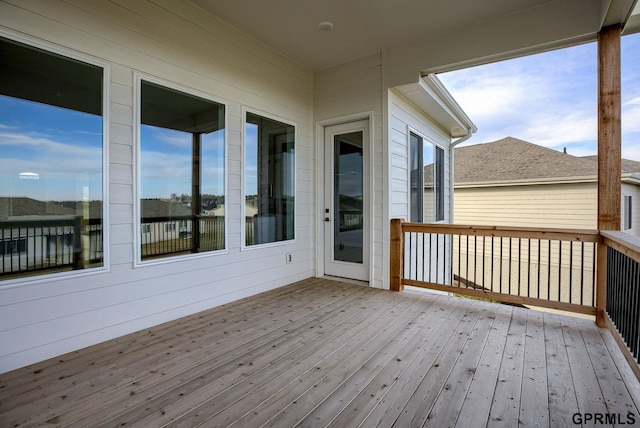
point(548, 99)
point(43, 144)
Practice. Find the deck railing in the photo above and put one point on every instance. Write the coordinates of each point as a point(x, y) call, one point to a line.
point(29, 245)
point(550, 268)
point(621, 276)
point(181, 234)
point(582, 271)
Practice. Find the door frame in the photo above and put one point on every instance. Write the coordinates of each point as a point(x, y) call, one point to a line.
point(321, 127)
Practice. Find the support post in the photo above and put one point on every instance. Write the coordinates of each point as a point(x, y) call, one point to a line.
point(396, 257)
point(609, 129)
point(609, 150)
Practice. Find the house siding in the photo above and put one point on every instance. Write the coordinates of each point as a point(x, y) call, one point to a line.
point(178, 43)
point(347, 92)
point(633, 191)
point(404, 118)
point(570, 206)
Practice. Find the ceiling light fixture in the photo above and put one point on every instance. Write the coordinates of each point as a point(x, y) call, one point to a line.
point(325, 26)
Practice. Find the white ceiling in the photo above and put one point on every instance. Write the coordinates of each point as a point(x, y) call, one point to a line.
point(362, 27)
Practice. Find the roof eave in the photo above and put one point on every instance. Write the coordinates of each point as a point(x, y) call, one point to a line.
point(430, 96)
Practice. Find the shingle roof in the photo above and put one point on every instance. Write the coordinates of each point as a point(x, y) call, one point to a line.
point(628, 165)
point(512, 159)
point(160, 208)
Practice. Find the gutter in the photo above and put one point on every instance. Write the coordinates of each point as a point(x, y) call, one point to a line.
point(451, 169)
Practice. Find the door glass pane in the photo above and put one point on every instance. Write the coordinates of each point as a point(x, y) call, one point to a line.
point(348, 194)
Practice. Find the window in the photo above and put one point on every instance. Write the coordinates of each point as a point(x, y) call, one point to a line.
point(426, 181)
point(13, 246)
point(51, 162)
point(269, 173)
point(182, 161)
point(627, 212)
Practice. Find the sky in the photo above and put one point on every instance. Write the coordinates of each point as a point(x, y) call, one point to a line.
point(549, 99)
point(56, 148)
point(165, 162)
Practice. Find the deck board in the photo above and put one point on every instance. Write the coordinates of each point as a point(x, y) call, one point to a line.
point(322, 352)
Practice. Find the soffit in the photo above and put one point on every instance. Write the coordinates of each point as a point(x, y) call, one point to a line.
point(362, 27)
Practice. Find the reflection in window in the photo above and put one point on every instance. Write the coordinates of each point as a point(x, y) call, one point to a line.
point(269, 172)
point(426, 181)
point(51, 178)
point(182, 199)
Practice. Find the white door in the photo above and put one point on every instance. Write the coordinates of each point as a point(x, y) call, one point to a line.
point(346, 201)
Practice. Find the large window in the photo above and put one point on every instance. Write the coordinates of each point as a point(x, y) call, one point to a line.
point(269, 174)
point(51, 162)
point(182, 160)
point(427, 181)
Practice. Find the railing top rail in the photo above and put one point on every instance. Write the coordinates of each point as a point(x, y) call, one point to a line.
point(581, 235)
point(623, 242)
point(39, 221)
point(179, 217)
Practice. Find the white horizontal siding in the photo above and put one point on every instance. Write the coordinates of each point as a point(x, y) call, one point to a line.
point(352, 89)
point(405, 117)
point(633, 191)
point(177, 42)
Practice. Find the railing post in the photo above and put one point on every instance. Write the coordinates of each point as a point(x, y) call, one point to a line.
point(396, 256)
point(601, 283)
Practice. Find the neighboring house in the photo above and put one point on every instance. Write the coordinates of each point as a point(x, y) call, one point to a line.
point(36, 235)
point(511, 182)
point(318, 158)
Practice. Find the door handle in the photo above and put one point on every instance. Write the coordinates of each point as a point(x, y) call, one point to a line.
point(327, 219)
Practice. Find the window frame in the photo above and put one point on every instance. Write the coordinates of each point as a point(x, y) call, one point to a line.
point(83, 57)
point(627, 212)
point(266, 115)
point(439, 182)
point(138, 78)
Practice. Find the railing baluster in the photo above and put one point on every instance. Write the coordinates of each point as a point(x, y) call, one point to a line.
point(501, 264)
point(549, 272)
point(582, 267)
point(539, 260)
point(424, 255)
point(519, 263)
point(510, 263)
point(459, 259)
point(529, 267)
point(467, 262)
point(559, 270)
point(570, 271)
point(430, 258)
point(492, 257)
point(437, 256)
point(594, 272)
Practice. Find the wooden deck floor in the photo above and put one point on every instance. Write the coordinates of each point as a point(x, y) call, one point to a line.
point(320, 353)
